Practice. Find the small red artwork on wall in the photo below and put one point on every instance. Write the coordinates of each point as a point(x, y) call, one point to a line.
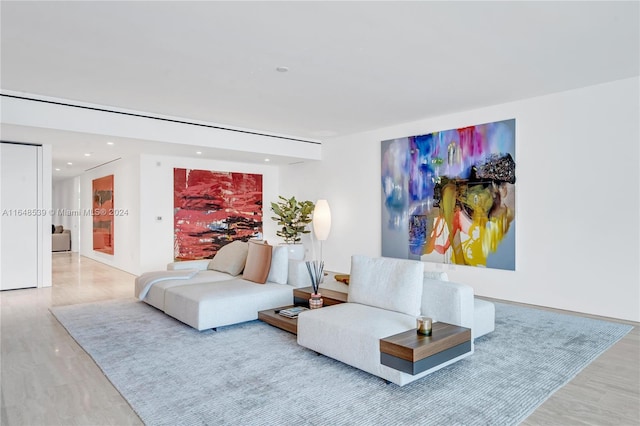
point(103, 214)
point(212, 209)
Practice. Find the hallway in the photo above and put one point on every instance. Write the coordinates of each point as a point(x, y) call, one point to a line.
point(47, 379)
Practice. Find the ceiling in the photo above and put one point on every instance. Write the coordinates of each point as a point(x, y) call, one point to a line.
point(352, 66)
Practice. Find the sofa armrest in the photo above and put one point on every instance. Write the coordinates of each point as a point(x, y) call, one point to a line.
point(298, 274)
point(200, 265)
point(448, 302)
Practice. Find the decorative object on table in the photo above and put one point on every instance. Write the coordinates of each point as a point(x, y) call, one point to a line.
point(424, 325)
point(343, 278)
point(321, 222)
point(293, 216)
point(316, 271)
point(292, 312)
point(316, 301)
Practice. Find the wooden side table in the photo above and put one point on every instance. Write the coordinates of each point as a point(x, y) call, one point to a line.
point(414, 353)
point(301, 296)
point(272, 317)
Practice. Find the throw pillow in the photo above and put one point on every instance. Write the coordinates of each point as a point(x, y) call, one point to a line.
point(258, 262)
point(59, 229)
point(392, 284)
point(279, 271)
point(231, 258)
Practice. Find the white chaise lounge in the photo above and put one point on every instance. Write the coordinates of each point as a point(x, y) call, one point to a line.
point(385, 296)
point(211, 293)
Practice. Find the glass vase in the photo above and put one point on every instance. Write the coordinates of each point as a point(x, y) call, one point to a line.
point(315, 301)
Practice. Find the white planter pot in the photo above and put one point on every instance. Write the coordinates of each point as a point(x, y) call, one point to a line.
point(296, 251)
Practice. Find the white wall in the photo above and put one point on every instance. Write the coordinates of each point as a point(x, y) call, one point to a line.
point(143, 187)
point(44, 229)
point(156, 201)
point(126, 198)
point(577, 198)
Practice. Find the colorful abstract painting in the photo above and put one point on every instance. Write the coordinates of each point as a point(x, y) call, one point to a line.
point(103, 214)
point(212, 209)
point(449, 196)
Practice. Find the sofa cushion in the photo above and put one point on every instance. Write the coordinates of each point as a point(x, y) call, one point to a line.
point(279, 270)
point(436, 275)
point(351, 333)
point(258, 262)
point(217, 304)
point(231, 258)
point(393, 284)
point(447, 301)
point(155, 296)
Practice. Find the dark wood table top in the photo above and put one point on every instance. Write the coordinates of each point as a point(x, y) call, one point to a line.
point(330, 297)
point(412, 346)
point(270, 316)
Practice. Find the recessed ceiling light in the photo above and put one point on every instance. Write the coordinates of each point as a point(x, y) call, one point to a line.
point(267, 160)
point(282, 69)
point(87, 154)
point(69, 163)
point(57, 169)
point(109, 143)
point(198, 152)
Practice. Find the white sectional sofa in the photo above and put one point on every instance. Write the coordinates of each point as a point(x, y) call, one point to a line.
point(384, 297)
point(209, 294)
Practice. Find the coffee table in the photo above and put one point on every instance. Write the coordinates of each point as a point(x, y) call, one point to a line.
point(301, 297)
point(271, 316)
point(414, 353)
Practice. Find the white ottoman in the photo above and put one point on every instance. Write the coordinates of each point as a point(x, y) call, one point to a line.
point(484, 317)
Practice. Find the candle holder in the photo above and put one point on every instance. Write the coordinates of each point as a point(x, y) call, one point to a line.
point(424, 325)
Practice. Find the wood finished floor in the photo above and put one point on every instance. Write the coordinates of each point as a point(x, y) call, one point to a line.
point(47, 379)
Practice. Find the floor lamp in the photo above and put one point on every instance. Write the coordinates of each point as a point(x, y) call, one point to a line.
point(321, 222)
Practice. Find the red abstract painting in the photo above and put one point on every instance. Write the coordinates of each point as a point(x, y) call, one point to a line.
point(212, 209)
point(103, 214)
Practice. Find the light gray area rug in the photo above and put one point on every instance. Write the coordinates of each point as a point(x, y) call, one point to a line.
point(255, 374)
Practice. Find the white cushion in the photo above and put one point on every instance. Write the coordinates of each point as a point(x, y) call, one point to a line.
point(393, 284)
point(298, 274)
point(200, 264)
point(155, 296)
point(351, 333)
point(279, 265)
point(484, 317)
point(449, 302)
point(231, 258)
point(436, 275)
point(222, 303)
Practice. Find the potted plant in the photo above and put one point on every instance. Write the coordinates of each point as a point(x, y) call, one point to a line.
point(293, 216)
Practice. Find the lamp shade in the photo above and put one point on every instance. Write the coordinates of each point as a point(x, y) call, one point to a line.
point(321, 220)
